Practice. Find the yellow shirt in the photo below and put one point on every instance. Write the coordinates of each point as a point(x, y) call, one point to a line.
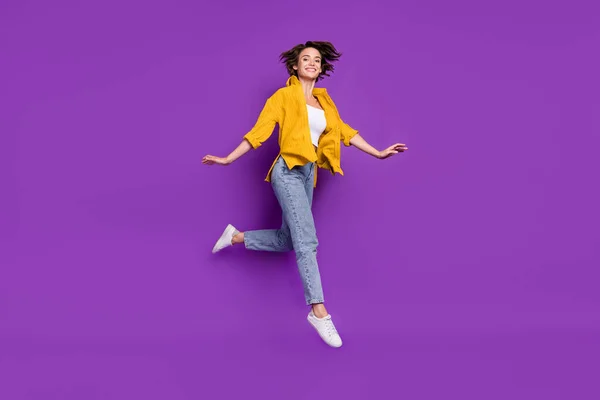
point(287, 108)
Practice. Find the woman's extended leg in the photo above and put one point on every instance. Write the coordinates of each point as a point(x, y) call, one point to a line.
point(294, 190)
point(289, 187)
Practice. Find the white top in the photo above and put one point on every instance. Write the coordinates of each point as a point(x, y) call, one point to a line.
point(316, 123)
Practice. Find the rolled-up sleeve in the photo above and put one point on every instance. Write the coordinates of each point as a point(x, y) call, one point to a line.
point(264, 126)
point(348, 133)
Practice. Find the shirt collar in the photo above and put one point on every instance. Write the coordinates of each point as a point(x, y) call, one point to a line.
point(294, 81)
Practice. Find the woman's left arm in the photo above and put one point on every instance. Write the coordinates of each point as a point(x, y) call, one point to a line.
point(361, 144)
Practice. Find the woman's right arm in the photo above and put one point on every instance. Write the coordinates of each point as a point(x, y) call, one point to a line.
point(262, 130)
point(239, 151)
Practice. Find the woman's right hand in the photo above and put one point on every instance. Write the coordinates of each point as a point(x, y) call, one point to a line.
point(210, 160)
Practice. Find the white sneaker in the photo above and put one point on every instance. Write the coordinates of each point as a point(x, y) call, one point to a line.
point(326, 329)
point(226, 238)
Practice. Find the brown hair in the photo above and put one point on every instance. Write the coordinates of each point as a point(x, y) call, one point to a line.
point(328, 56)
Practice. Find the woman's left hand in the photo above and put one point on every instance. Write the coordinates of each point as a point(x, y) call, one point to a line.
point(390, 151)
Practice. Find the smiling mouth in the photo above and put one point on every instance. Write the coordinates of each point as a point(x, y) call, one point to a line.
point(311, 69)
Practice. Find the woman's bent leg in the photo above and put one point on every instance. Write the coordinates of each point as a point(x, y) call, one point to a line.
point(269, 239)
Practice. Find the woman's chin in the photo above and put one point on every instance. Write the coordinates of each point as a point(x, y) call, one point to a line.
point(309, 77)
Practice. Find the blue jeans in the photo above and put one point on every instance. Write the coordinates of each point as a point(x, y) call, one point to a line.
point(294, 191)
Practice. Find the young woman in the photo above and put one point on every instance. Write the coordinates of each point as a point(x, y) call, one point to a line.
point(310, 136)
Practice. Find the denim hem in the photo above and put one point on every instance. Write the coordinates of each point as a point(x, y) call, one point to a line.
point(313, 301)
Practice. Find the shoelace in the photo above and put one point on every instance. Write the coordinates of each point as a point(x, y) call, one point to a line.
point(331, 331)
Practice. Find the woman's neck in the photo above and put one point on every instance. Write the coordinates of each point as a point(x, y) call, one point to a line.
point(307, 87)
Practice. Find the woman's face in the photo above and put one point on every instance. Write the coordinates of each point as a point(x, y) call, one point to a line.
point(309, 64)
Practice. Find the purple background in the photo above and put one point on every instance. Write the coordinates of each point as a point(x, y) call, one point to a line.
point(466, 268)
